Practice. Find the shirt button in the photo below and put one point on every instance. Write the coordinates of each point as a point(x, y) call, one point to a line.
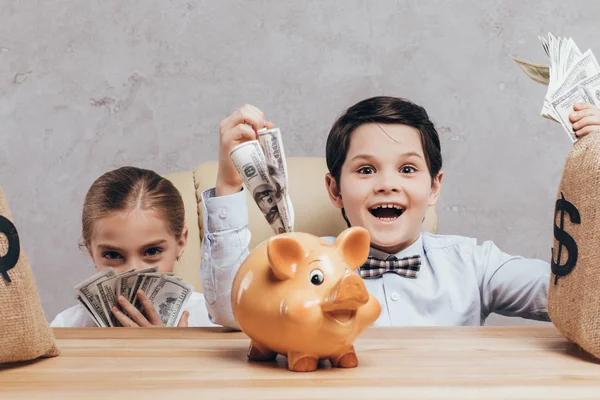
point(205, 255)
point(222, 213)
point(395, 296)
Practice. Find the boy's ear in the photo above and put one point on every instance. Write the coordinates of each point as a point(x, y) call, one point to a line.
point(436, 188)
point(182, 241)
point(334, 191)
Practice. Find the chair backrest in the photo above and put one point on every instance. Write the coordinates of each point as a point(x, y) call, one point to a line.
point(313, 210)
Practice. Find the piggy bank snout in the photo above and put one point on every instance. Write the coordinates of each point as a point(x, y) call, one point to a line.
point(348, 294)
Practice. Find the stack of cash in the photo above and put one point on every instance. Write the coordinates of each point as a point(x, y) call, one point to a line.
point(571, 77)
point(263, 168)
point(99, 294)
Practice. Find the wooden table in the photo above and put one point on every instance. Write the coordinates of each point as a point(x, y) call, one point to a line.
point(395, 363)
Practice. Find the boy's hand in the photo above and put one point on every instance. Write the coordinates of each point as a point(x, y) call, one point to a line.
point(239, 127)
point(585, 119)
point(133, 318)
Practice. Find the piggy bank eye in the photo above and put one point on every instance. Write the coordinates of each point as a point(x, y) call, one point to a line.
point(316, 277)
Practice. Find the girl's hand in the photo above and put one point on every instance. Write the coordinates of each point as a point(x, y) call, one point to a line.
point(585, 119)
point(133, 318)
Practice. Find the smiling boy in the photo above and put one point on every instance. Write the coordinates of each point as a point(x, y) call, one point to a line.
point(385, 171)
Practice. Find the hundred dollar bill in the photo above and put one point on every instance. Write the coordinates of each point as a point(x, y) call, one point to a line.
point(272, 145)
point(127, 280)
point(249, 160)
point(109, 293)
point(107, 290)
point(87, 309)
point(571, 77)
point(168, 298)
point(587, 91)
point(139, 279)
point(99, 293)
point(89, 294)
point(585, 67)
point(538, 72)
point(139, 282)
point(148, 284)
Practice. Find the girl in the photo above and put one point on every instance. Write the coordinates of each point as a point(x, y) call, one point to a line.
point(134, 219)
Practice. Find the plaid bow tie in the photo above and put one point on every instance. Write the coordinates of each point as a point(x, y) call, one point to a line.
point(375, 267)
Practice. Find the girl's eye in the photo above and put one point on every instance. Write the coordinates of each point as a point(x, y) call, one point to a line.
point(153, 252)
point(111, 255)
point(366, 170)
point(408, 169)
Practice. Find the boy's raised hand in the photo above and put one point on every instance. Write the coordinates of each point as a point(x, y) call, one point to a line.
point(239, 127)
point(585, 119)
point(133, 318)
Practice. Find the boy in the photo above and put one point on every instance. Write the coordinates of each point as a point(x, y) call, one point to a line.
point(385, 170)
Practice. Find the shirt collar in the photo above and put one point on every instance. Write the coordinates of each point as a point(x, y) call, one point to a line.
point(414, 249)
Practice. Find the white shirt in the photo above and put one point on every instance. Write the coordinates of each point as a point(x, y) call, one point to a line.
point(77, 316)
point(460, 282)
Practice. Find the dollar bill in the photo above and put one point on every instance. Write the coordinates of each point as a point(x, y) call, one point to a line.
point(585, 68)
point(571, 77)
point(538, 72)
point(90, 296)
point(149, 283)
point(249, 160)
point(88, 310)
point(573, 54)
point(272, 146)
point(127, 279)
point(107, 290)
point(99, 293)
point(168, 298)
point(140, 283)
point(587, 91)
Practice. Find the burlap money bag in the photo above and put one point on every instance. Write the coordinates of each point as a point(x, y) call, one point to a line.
point(574, 291)
point(24, 331)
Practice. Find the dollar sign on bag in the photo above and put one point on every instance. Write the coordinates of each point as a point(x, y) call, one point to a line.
point(564, 239)
point(9, 260)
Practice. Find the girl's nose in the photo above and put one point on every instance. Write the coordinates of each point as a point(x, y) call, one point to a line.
point(137, 264)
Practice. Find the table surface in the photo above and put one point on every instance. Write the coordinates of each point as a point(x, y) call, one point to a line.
point(394, 363)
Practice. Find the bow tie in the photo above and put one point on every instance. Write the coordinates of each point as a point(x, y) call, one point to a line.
point(376, 267)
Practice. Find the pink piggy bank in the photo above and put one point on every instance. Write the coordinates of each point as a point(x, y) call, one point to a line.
point(298, 296)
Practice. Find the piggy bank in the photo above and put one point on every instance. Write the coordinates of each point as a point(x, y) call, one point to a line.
point(298, 295)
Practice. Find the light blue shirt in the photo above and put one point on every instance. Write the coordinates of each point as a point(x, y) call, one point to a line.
point(460, 282)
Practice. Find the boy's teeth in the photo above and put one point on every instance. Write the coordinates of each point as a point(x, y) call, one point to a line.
point(387, 206)
point(386, 212)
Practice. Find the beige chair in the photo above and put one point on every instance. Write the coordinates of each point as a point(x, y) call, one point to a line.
point(314, 213)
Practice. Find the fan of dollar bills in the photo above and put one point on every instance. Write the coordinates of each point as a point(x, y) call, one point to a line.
point(571, 77)
point(168, 294)
point(262, 165)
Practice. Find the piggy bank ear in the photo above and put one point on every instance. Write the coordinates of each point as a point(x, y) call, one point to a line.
point(284, 253)
point(354, 244)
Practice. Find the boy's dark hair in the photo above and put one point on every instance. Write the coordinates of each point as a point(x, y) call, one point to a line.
point(382, 110)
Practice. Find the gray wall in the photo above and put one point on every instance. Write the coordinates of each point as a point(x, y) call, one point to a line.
point(86, 86)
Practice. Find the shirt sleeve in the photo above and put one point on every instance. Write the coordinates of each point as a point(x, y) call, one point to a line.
point(74, 317)
point(512, 286)
point(196, 306)
point(224, 247)
point(58, 322)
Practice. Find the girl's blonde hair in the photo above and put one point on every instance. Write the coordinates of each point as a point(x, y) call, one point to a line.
point(128, 189)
